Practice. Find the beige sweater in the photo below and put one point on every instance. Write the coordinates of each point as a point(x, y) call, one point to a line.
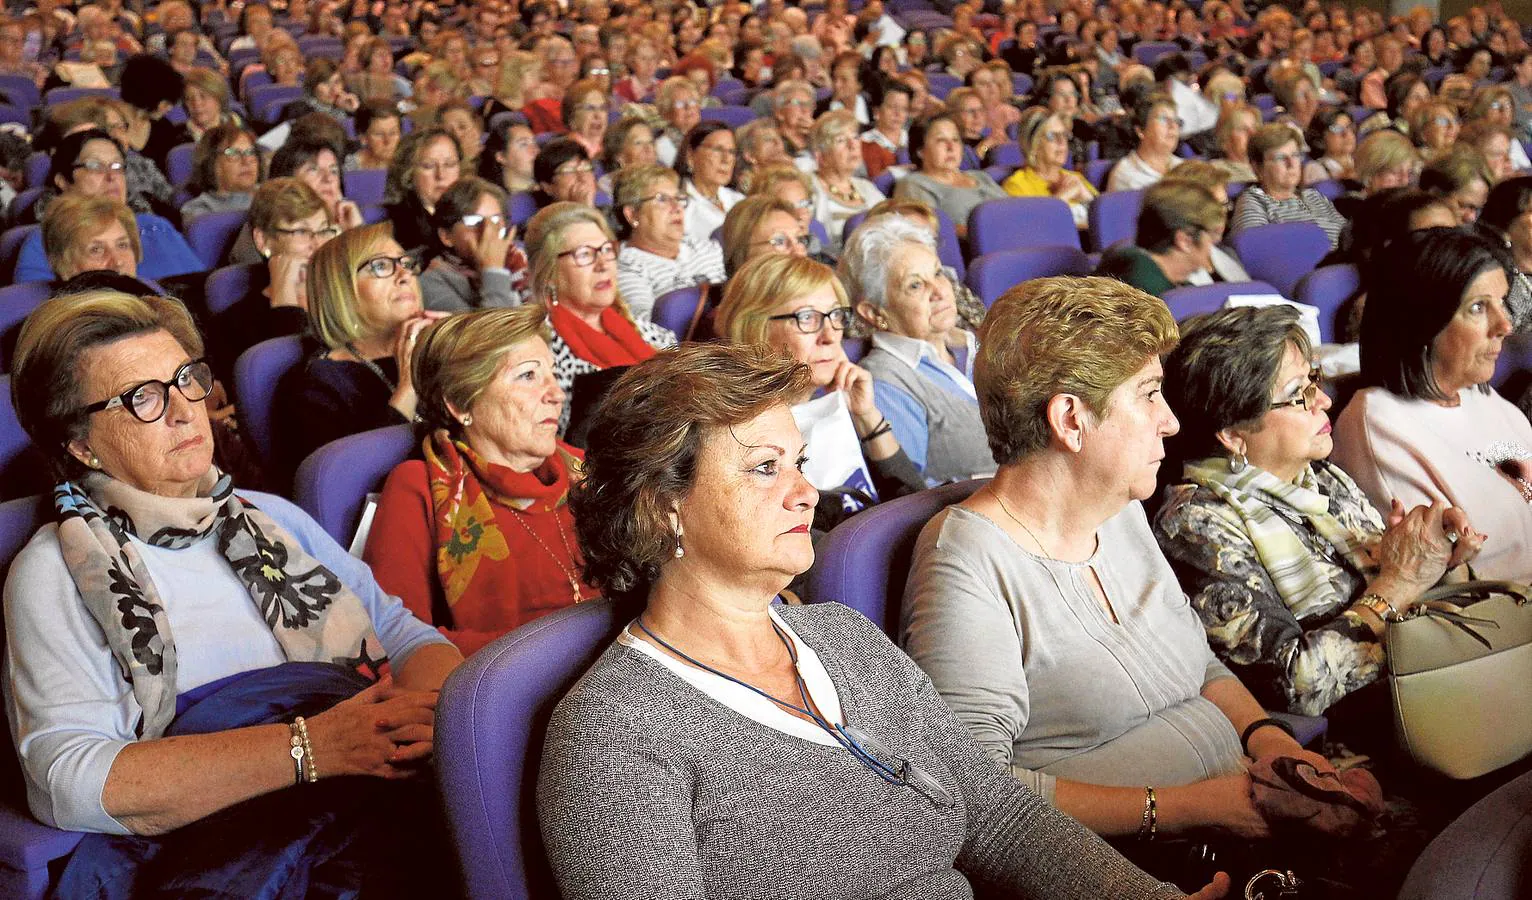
point(1418, 451)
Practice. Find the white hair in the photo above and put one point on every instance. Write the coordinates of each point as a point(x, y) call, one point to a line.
point(866, 260)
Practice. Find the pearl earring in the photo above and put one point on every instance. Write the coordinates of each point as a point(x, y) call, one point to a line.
point(680, 550)
point(467, 420)
point(94, 462)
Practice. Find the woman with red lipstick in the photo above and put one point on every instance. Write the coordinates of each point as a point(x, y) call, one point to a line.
point(1283, 556)
point(574, 274)
point(476, 537)
point(1428, 428)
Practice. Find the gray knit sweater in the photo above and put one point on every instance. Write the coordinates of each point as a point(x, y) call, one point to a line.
point(650, 789)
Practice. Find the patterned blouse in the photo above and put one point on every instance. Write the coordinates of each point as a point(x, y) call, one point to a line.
point(1302, 663)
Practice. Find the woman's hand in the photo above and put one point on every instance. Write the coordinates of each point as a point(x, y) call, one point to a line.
point(856, 383)
point(347, 101)
point(289, 280)
point(1229, 803)
point(1217, 888)
point(404, 342)
point(1414, 553)
point(493, 245)
point(377, 732)
point(348, 215)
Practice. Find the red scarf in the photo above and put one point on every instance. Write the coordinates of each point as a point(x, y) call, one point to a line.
point(621, 345)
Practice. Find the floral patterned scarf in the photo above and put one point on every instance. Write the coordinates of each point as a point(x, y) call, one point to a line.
point(464, 490)
point(312, 615)
point(1266, 503)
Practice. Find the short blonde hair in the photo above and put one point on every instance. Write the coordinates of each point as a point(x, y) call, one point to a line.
point(332, 283)
point(284, 200)
point(458, 357)
point(1487, 95)
point(741, 223)
point(633, 185)
point(1051, 336)
point(45, 371)
point(1230, 118)
point(546, 240)
point(765, 180)
point(1200, 171)
point(211, 83)
point(830, 126)
point(1382, 150)
point(670, 89)
point(72, 219)
point(763, 284)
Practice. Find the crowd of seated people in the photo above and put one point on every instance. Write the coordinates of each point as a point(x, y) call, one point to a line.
point(613, 266)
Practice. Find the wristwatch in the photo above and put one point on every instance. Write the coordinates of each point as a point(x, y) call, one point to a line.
point(1380, 607)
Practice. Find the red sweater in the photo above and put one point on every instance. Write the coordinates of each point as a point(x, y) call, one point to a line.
point(527, 583)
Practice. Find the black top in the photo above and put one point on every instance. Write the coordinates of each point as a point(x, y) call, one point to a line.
point(413, 229)
point(328, 399)
point(250, 320)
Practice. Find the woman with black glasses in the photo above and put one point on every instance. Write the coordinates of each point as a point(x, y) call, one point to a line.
point(658, 256)
point(365, 308)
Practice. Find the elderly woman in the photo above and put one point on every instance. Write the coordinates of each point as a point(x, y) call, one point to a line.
point(658, 254)
point(364, 302)
point(1434, 128)
point(1236, 123)
point(992, 82)
point(1179, 225)
point(584, 111)
point(937, 150)
point(226, 169)
point(706, 167)
point(1045, 137)
point(378, 129)
point(793, 111)
point(760, 146)
point(1159, 133)
point(1425, 428)
point(574, 274)
point(1295, 575)
point(643, 64)
point(921, 361)
point(88, 234)
point(1461, 177)
point(1057, 91)
point(838, 193)
point(564, 172)
point(458, 117)
point(882, 142)
point(680, 106)
point(1386, 159)
point(1048, 578)
point(324, 91)
point(427, 163)
point(798, 307)
point(1495, 107)
point(762, 224)
point(1278, 196)
point(476, 537)
point(90, 164)
point(770, 685)
point(476, 267)
point(1507, 219)
point(271, 679)
point(1332, 137)
point(1299, 99)
point(628, 144)
point(206, 102)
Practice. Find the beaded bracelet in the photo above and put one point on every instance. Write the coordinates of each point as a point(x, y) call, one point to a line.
point(312, 775)
point(295, 740)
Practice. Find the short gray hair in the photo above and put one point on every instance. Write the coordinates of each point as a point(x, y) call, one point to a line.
point(787, 89)
point(864, 264)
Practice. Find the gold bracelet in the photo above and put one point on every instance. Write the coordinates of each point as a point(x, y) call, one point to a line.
point(1149, 823)
point(1380, 607)
point(308, 750)
point(296, 751)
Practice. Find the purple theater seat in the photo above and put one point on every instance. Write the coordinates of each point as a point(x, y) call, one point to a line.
point(257, 373)
point(1515, 360)
point(1281, 253)
point(1097, 170)
point(1015, 223)
point(490, 725)
point(674, 310)
point(942, 84)
point(1327, 289)
point(995, 273)
point(38, 165)
point(10, 248)
point(1007, 155)
point(1148, 52)
point(179, 164)
point(212, 235)
point(1486, 854)
point(16, 303)
point(333, 483)
point(227, 286)
point(27, 847)
point(1186, 302)
point(864, 561)
point(732, 116)
point(364, 186)
point(1114, 217)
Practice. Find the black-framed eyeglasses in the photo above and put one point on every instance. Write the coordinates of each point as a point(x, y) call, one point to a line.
point(810, 321)
point(148, 400)
point(586, 255)
point(1308, 398)
point(387, 266)
point(101, 167)
point(783, 242)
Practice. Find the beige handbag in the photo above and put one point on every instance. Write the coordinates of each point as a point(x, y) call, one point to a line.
point(1460, 669)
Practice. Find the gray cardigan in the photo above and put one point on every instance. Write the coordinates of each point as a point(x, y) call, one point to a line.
point(650, 789)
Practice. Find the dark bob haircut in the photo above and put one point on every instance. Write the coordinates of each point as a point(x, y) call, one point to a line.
point(645, 439)
point(918, 132)
point(1415, 288)
point(556, 153)
point(1223, 371)
point(694, 138)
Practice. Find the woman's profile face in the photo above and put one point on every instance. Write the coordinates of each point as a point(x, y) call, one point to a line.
point(748, 512)
point(517, 415)
point(1123, 449)
point(1464, 353)
point(166, 457)
point(1291, 435)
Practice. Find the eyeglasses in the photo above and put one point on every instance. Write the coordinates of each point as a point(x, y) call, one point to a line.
point(680, 201)
point(239, 152)
point(1339, 128)
point(1498, 105)
point(1308, 397)
point(148, 400)
point(598, 72)
point(437, 168)
point(810, 321)
point(799, 102)
point(583, 168)
point(1055, 137)
point(326, 232)
point(388, 266)
point(1444, 122)
point(1282, 159)
point(474, 220)
point(101, 167)
point(586, 255)
point(805, 203)
point(685, 104)
point(782, 243)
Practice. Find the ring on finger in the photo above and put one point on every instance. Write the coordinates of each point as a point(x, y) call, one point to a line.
point(1452, 537)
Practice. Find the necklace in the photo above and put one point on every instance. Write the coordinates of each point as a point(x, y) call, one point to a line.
point(372, 367)
point(847, 196)
point(1001, 500)
point(571, 574)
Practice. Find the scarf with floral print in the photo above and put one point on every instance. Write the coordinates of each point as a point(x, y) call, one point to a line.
point(312, 615)
point(464, 493)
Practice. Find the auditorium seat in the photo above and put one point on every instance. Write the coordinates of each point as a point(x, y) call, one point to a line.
point(332, 484)
point(995, 273)
point(1014, 223)
point(1281, 253)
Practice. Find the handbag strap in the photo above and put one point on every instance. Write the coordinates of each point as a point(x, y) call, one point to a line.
point(1478, 590)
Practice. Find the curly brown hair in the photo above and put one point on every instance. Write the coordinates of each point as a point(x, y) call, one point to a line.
point(644, 443)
